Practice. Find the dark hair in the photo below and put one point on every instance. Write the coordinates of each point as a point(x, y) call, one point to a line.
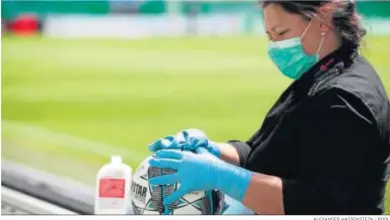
point(345, 17)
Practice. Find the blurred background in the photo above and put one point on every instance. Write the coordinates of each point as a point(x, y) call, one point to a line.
point(82, 80)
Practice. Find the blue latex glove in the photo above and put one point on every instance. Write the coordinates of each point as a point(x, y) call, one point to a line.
point(201, 171)
point(189, 140)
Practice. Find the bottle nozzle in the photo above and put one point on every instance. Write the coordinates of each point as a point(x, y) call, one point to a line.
point(116, 159)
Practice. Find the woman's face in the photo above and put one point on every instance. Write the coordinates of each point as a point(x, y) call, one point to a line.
point(282, 25)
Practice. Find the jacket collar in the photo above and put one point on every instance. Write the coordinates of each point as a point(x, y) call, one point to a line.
point(328, 67)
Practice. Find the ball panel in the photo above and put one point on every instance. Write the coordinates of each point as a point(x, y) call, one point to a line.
point(187, 209)
point(148, 199)
point(147, 212)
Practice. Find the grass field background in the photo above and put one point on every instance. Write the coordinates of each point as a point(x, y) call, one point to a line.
point(68, 104)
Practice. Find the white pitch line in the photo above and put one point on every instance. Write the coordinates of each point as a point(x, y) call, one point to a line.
point(71, 141)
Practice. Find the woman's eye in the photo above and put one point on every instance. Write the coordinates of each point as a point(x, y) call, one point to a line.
point(283, 33)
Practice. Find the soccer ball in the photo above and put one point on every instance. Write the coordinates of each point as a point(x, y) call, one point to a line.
point(147, 199)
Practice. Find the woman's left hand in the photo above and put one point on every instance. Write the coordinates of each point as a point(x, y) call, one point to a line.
point(201, 171)
point(189, 139)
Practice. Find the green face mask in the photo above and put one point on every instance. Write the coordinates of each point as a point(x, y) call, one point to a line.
point(290, 58)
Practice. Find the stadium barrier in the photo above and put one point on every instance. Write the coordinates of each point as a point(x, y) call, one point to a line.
point(28, 191)
point(14, 202)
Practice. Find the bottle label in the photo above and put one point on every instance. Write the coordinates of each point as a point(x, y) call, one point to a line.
point(112, 188)
point(116, 206)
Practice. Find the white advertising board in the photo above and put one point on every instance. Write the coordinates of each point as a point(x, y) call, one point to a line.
point(141, 26)
point(130, 26)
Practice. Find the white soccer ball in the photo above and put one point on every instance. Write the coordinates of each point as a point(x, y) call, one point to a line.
point(147, 199)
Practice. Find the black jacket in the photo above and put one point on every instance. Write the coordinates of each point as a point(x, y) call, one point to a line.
point(328, 139)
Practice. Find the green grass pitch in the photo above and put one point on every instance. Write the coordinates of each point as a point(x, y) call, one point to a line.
point(59, 95)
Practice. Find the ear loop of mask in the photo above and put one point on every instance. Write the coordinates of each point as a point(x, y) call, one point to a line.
point(307, 28)
point(322, 39)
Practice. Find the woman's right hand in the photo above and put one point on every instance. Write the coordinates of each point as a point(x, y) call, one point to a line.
point(189, 140)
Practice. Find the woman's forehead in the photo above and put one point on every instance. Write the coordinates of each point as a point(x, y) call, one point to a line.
point(275, 17)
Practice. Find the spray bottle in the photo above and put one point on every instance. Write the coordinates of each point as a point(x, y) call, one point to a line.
point(113, 188)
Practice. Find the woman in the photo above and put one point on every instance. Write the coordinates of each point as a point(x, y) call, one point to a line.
point(323, 147)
